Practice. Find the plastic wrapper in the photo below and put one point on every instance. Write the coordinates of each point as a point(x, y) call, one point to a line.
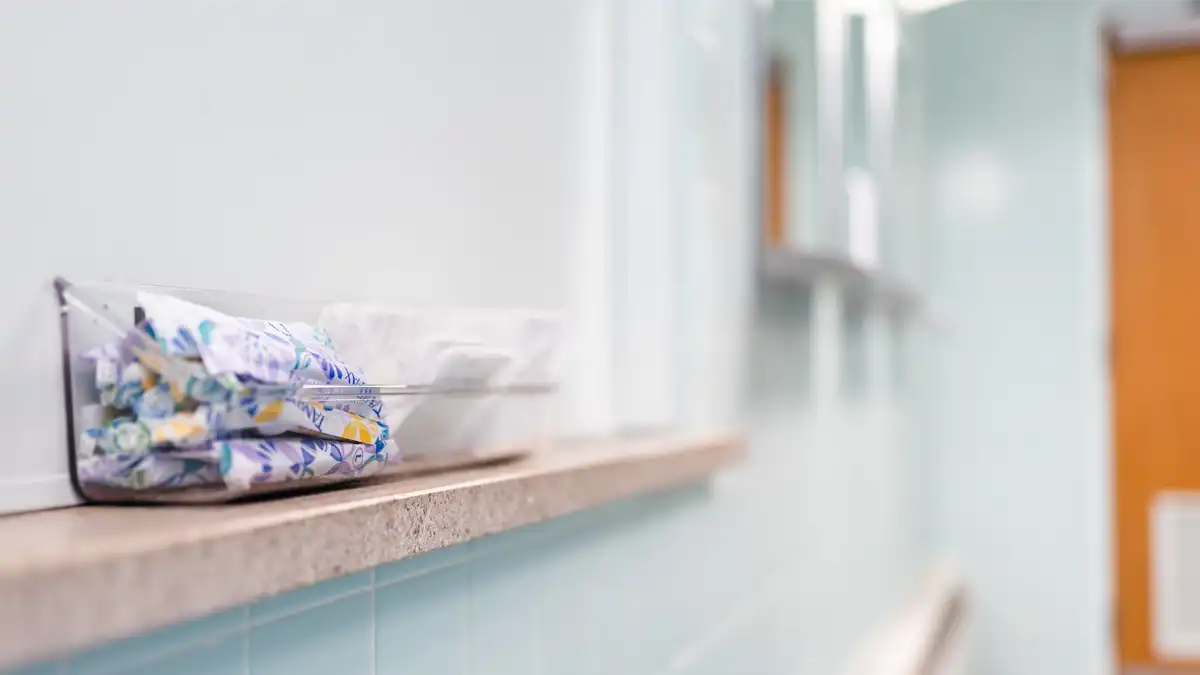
point(236, 464)
point(140, 434)
point(196, 397)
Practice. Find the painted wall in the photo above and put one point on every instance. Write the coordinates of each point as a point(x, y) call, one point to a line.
point(782, 565)
point(225, 144)
point(1017, 422)
point(1016, 402)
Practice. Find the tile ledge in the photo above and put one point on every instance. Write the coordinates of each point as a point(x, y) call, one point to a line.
point(76, 577)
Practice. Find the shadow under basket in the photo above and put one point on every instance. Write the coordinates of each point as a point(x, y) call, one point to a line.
point(387, 390)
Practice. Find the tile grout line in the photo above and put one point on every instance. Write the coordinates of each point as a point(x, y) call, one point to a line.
point(243, 629)
point(374, 626)
point(466, 557)
point(753, 607)
point(466, 626)
point(248, 621)
point(182, 647)
point(539, 594)
point(246, 640)
point(308, 607)
point(416, 574)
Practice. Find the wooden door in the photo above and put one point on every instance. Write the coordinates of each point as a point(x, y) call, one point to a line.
point(1154, 127)
point(775, 177)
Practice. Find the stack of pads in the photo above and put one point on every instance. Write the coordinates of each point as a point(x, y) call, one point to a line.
point(196, 398)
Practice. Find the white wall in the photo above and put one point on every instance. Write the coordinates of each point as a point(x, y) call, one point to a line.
point(427, 152)
point(830, 425)
point(1017, 414)
point(1018, 418)
point(465, 146)
point(716, 192)
point(1146, 12)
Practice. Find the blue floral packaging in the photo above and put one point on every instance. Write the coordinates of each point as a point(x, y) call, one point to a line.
point(195, 398)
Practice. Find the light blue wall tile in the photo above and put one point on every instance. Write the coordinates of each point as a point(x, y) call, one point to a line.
point(535, 534)
point(502, 611)
point(225, 657)
point(568, 634)
point(332, 639)
point(45, 668)
point(620, 629)
point(649, 566)
point(651, 612)
point(730, 657)
point(1018, 260)
point(697, 547)
point(629, 635)
point(624, 589)
point(120, 656)
point(310, 596)
point(745, 646)
point(786, 627)
point(417, 565)
point(420, 624)
point(581, 625)
point(762, 652)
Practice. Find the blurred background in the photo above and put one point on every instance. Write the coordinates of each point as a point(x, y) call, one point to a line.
point(930, 257)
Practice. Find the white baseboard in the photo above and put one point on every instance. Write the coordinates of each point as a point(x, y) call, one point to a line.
point(929, 637)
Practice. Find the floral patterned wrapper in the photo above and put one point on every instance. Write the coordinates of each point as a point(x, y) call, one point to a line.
point(135, 435)
point(201, 398)
point(246, 359)
point(263, 351)
point(125, 383)
point(246, 462)
point(238, 464)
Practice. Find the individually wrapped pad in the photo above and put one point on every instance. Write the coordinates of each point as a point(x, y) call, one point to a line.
point(263, 351)
point(133, 435)
point(238, 463)
point(184, 398)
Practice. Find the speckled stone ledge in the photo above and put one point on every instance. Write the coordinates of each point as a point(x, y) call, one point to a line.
point(76, 577)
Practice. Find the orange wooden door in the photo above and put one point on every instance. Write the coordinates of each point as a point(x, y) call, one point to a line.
point(775, 157)
point(1154, 127)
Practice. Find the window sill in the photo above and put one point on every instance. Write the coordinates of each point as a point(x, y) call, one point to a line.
point(76, 577)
